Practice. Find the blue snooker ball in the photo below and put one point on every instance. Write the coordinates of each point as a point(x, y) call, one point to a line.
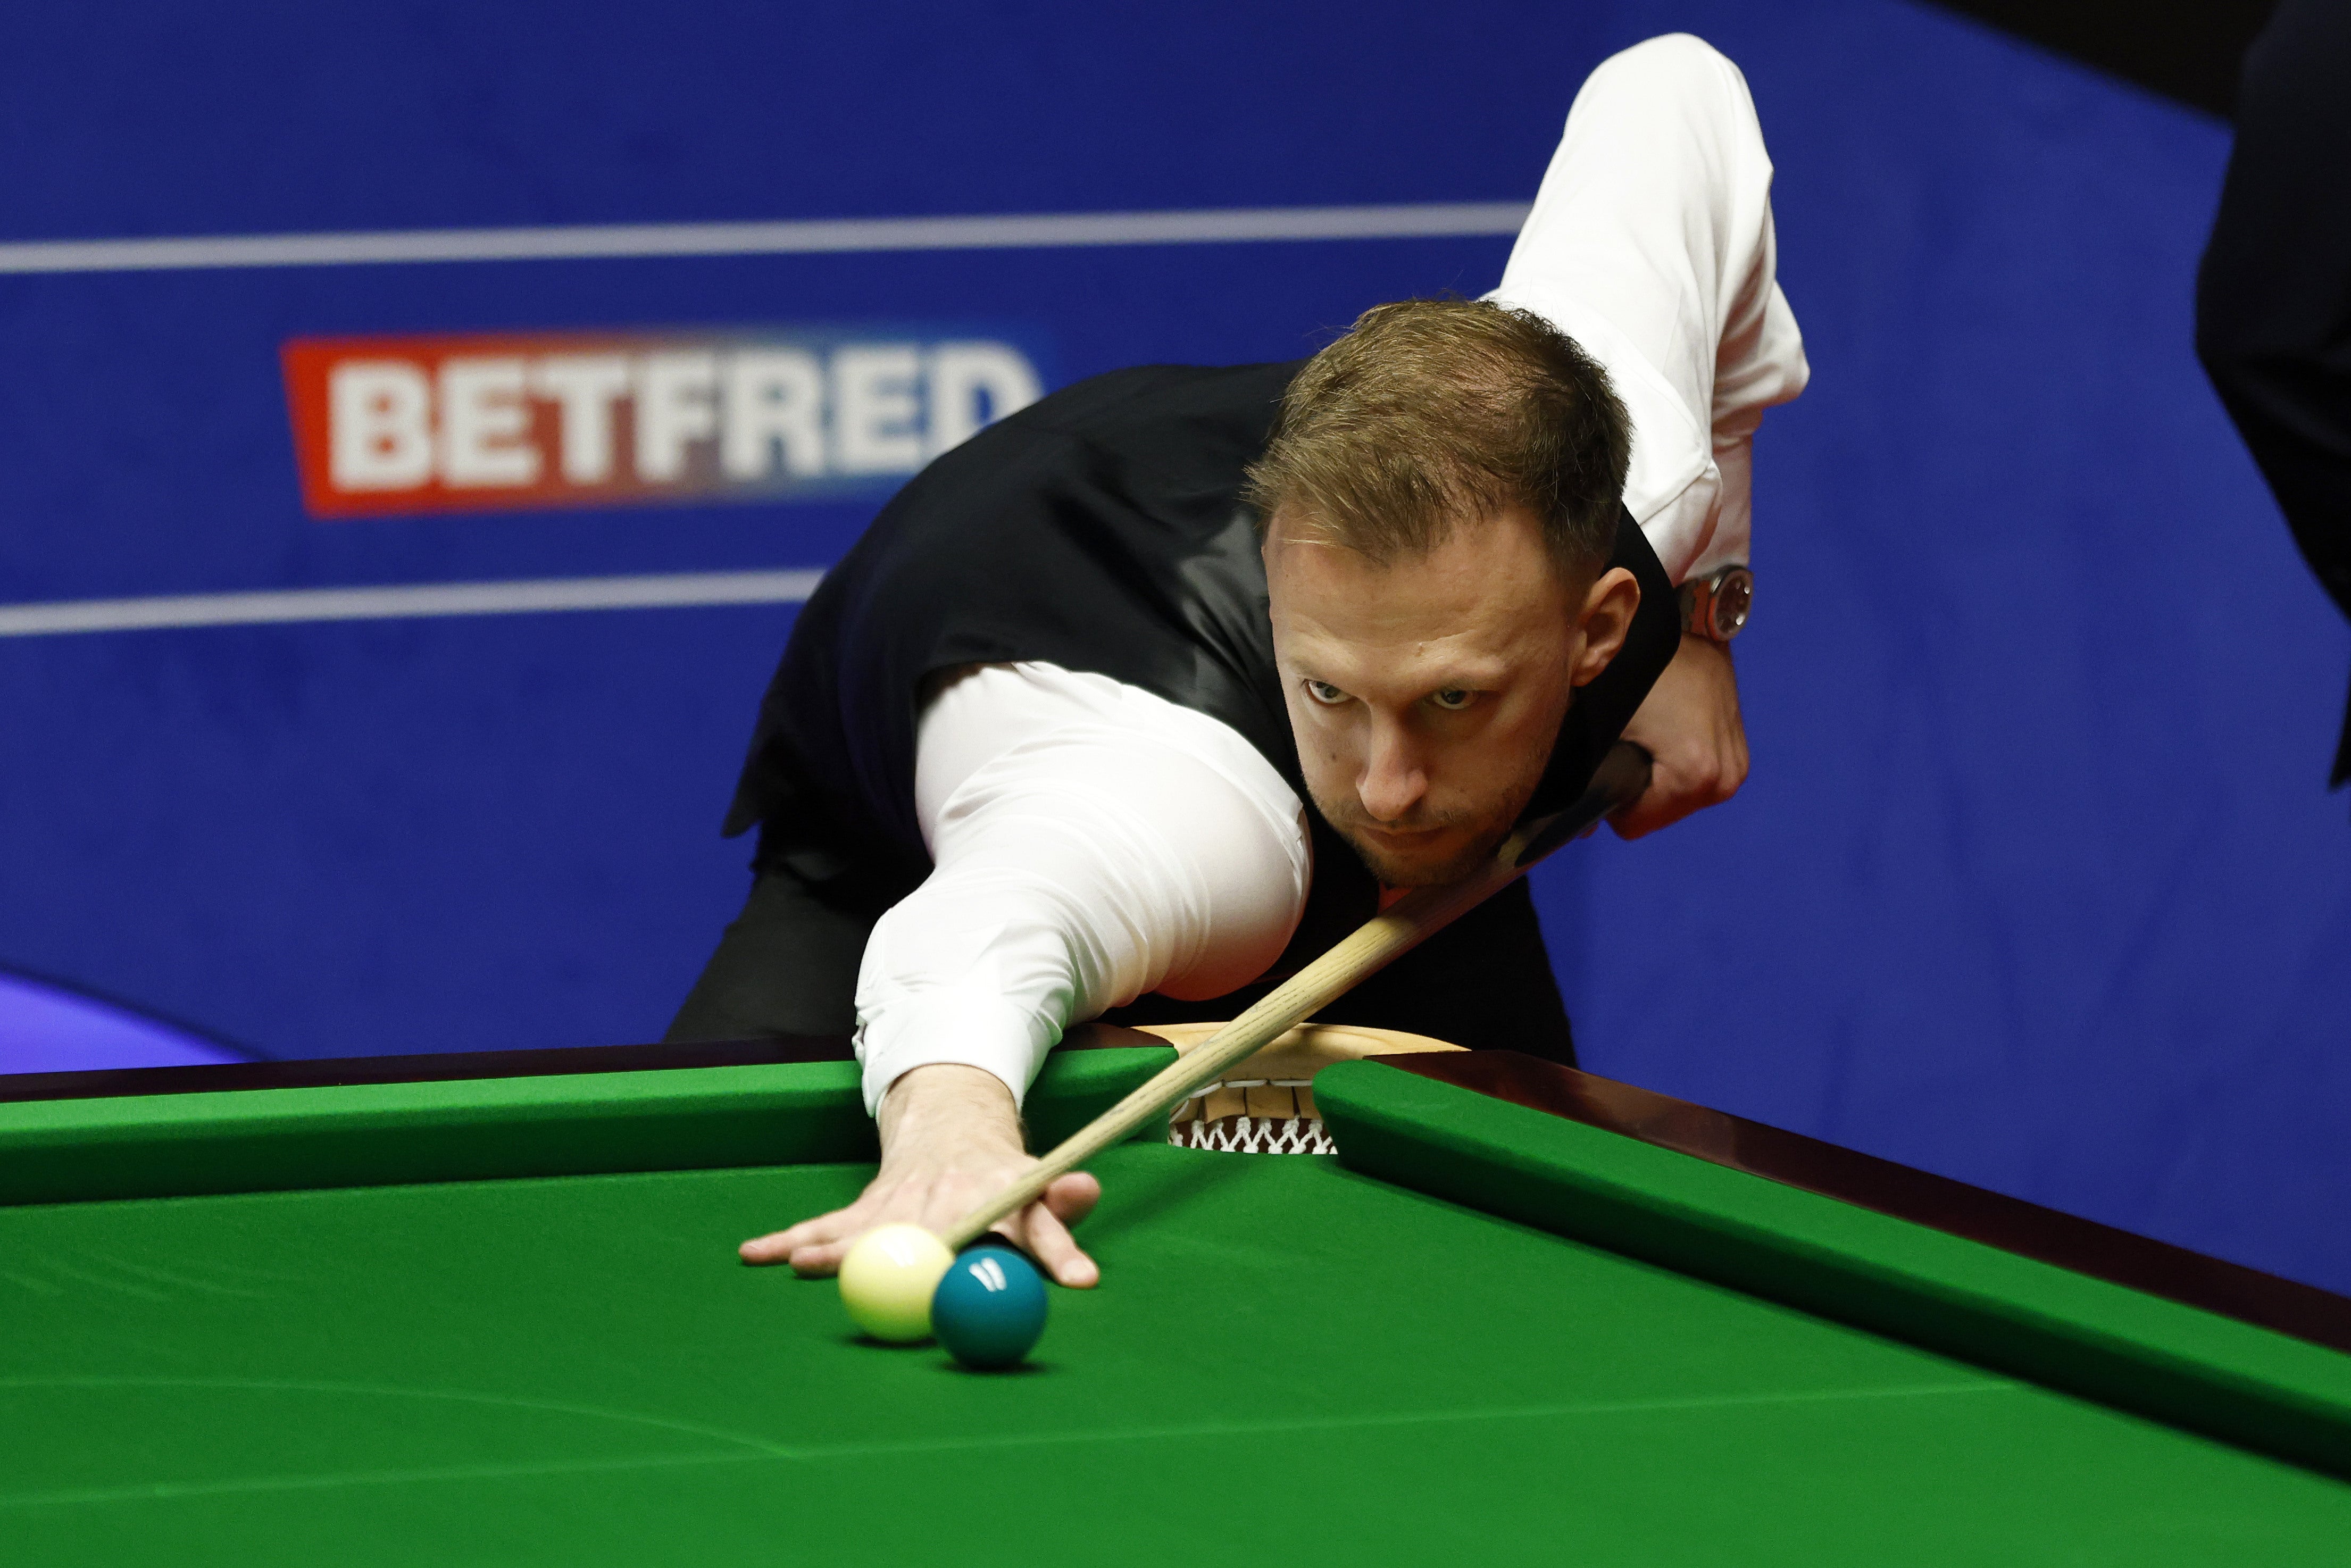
point(989, 1307)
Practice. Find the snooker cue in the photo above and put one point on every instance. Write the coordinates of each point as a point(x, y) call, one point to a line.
point(1622, 774)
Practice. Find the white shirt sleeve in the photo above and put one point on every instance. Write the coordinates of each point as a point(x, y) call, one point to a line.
point(1090, 843)
point(1650, 243)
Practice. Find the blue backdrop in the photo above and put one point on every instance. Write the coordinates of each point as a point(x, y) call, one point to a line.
point(2036, 883)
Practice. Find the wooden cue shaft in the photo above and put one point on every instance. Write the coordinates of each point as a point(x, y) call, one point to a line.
point(1419, 915)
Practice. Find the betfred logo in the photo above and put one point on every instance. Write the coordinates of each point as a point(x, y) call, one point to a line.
point(460, 424)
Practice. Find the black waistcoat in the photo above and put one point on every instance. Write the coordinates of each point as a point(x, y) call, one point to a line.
point(1098, 530)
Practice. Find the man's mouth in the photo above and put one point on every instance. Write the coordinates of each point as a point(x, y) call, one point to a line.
point(1399, 835)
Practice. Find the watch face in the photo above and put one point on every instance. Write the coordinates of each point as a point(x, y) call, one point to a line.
point(1734, 596)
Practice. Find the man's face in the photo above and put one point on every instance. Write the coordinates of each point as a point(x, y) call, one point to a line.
point(1425, 693)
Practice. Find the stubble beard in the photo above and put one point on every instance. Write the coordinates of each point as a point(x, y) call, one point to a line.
point(1394, 870)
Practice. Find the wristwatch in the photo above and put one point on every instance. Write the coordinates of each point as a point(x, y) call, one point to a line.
point(1716, 607)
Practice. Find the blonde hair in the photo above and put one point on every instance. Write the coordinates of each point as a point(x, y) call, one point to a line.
point(1429, 413)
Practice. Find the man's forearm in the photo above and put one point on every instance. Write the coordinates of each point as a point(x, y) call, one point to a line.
point(946, 1101)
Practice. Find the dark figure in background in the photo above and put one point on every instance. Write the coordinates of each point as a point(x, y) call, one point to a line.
point(2273, 298)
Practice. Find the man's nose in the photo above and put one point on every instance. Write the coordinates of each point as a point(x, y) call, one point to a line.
point(1394, 780)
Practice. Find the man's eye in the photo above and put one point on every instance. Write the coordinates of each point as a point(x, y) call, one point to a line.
point(1453, 700)
point(1326, 694)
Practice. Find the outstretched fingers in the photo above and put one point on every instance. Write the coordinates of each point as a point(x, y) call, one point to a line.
point(1043, 1228)
point(813, 1247)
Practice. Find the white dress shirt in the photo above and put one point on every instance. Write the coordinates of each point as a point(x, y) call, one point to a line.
point(1092, 842)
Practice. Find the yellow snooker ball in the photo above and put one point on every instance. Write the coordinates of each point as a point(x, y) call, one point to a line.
point(887, 1280)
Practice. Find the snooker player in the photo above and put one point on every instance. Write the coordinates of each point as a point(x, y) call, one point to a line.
point(1136, 701)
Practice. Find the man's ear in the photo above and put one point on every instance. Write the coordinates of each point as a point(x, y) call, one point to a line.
point(1607, 621)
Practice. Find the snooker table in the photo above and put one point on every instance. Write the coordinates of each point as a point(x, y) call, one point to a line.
point(487, 1310)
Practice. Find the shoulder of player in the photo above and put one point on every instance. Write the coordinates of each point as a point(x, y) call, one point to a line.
point(1104, 408)
point(1150, 431)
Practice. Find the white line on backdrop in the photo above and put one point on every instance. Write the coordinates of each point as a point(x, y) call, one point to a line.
point(667, 592)
point(807, 236)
